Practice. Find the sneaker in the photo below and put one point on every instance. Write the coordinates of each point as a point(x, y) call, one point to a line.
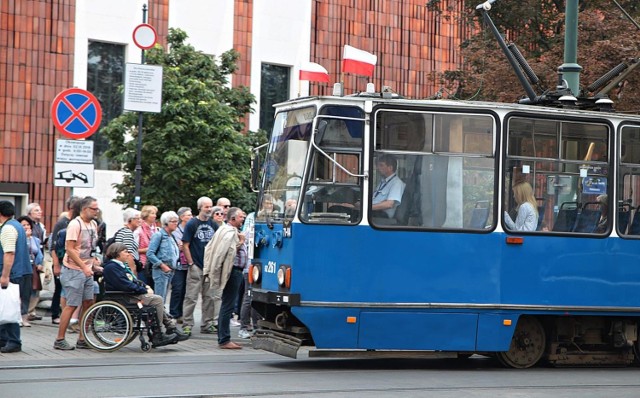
point(234, 322)
point(244, 334)
point(82, 345)
point(210, 330)
point(187, 330)
point(63, 345)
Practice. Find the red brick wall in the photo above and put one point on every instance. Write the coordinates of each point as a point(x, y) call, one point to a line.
point(242, 41)
point(158, 17)
point(36, 63)
point(411, 41)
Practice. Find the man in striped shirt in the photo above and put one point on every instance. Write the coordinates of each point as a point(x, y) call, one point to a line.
point(15, 267)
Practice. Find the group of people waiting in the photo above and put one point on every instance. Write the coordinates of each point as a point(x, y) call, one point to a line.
point(167, 265)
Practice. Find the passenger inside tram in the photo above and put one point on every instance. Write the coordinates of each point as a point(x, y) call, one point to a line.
point(527, 208)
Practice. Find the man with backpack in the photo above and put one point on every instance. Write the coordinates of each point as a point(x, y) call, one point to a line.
point(57, 250)
point(79, 264)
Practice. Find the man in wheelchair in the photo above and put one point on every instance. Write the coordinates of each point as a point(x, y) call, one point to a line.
point(118, 276)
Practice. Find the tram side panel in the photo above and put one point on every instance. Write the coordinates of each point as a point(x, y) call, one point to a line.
point(407, 290)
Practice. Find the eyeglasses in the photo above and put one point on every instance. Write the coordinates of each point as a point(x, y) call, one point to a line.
point(94, 208)
point(218, 213)
point(173, 221)
point(226, 206)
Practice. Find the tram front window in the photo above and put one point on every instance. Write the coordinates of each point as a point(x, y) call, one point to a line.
point(284, 164)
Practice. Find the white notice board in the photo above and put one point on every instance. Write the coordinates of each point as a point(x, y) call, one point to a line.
point(143, 88)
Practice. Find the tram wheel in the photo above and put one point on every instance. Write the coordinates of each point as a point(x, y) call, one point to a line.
point(527, 344)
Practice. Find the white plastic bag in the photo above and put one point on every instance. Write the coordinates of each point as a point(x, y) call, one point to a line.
point(10, 304)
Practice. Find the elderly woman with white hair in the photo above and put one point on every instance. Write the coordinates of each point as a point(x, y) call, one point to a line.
point(164, 253)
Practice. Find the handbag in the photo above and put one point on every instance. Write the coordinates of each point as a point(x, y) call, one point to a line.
point(10, 304)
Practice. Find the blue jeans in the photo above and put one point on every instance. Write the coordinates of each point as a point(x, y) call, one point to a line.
point(229, 296)
point(24, 282)
point(10, 335)
point(178, 290)
point(161, 281)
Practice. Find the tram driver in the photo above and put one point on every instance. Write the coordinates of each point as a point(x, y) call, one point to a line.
point(388, 194)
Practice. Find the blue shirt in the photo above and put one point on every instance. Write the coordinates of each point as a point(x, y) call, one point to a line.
point(390, 188)
point(197, 234)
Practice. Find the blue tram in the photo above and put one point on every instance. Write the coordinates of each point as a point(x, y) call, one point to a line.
point(441, 270)
point(444, 272)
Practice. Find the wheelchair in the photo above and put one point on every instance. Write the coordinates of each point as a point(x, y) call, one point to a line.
point(116, 320)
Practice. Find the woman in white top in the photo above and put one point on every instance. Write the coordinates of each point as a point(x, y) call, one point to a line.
point(527, 207)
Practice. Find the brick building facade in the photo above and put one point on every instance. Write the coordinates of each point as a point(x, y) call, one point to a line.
point(39, 47)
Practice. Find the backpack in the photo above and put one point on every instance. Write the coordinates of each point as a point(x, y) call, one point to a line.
point(111, 240)
point(60, 243)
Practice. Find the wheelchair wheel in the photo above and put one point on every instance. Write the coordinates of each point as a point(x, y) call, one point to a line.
point(107, 326)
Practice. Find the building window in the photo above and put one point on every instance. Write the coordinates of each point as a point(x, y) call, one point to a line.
point(105, 73)
point(274, 88)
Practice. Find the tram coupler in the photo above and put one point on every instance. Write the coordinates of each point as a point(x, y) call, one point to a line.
point(278, 343)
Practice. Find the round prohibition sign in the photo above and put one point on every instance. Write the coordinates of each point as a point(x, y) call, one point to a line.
point(145, 36)
point(76, 113)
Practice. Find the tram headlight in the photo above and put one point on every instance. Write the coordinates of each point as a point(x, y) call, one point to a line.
point(281, 275)
point(255, 272)
point(284, 276)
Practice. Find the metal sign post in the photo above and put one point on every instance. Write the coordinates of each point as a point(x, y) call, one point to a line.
point(144, 38)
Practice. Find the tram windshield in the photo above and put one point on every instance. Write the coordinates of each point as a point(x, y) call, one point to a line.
point(284, 164)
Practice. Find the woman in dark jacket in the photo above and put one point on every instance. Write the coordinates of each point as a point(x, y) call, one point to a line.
point(119, 277)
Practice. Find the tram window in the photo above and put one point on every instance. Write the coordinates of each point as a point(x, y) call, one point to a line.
point(403, 131)
point(452, 189)
point(569, 181)
point(333, 195)
point(628, 200)
point(535, 138)
point(464, 134)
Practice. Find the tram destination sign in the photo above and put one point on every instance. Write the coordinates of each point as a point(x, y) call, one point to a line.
point(74, 151)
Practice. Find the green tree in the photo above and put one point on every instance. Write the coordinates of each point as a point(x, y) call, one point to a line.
point(605, 39)
point(195, 146)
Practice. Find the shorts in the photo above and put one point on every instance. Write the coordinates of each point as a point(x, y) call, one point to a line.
point(77, 286)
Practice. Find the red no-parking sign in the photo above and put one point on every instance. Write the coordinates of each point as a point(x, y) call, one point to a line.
point(76, 113)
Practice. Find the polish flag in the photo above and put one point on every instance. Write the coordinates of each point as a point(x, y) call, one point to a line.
point(358, 61)
point(314, 72)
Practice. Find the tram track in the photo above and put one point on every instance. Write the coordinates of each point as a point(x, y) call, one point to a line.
point(220, 376)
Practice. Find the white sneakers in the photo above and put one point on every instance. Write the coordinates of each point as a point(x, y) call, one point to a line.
point(244, 334)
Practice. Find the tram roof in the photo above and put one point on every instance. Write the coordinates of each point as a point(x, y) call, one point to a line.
point(484, 105)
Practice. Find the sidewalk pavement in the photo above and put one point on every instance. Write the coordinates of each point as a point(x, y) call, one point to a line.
point(37, 344)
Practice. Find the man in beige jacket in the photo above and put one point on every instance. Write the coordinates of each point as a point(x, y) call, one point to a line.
point(225, 257)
